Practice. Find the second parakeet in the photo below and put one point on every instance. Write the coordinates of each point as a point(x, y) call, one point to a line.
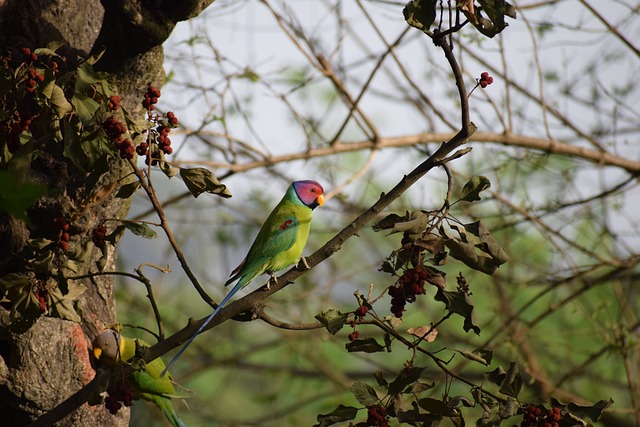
point(279, 242)
point(111, 348)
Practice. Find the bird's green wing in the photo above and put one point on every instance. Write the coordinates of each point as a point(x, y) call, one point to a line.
point(278, 234)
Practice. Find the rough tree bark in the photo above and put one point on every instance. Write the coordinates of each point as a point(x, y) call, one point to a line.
point(41, 367)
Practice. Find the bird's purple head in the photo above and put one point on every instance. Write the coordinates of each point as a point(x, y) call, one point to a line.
point(310, 193)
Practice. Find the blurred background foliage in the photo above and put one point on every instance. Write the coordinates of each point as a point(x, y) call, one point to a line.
point(262, 88)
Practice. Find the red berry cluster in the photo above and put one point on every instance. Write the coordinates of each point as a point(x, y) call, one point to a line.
point(151, 98)
point(161, 133)
point(121, 394)
point(114, 102)
point(41, 294)
point(410, 284)
point(13, 130)
point(171, 118)
point(63, 232)
point(98, 236)
point(359, 314)
point(29, 55)
point(485, 80)
point(163, 139)
point(114, 130)
point(534, 417)
point(34, 79)
point(377, 416)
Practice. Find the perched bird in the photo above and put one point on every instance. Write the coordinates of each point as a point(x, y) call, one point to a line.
point(111, 348)
point(279, 242)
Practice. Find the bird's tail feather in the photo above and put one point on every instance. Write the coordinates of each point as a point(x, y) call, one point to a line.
point(231, 293)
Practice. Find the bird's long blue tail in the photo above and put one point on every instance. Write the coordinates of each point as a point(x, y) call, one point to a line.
point(231, 293)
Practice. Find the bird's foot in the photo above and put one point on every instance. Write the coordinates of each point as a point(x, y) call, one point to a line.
point(303, 260)
point(273, 279)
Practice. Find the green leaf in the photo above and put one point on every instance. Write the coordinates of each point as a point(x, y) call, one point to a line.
point(201, 180)
point(139, 229)
point(59, 102)
point(435, 406)
point(332, 319)
point(414, 222)
point(367, 345)
point(63, 306)
point(127, 190)
point(496, 376)
point(472, 189)
point(495, 10)
point(592, 412)
point(365, 394)
point(87, 76)
point(512, 383)
point(100, 167)
point(420, 14)
point(85, 108)
point(25, 308)
point(379, 376)
point(50, 50)
point(20, 163)
point(405, 378)
point(467, 252)
point(16, 199)
point(459, 302)
point(340, 414)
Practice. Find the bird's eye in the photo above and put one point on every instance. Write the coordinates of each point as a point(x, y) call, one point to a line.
point(313, 190)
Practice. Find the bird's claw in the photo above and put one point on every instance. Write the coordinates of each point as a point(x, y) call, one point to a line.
point(304, 262)
point(273, 279)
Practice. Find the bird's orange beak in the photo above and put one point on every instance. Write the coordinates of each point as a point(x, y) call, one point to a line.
point(97, 352)
point(321, 199)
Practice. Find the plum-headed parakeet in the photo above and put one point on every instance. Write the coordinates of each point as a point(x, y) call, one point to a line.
point(279, 242)
point(111, 348)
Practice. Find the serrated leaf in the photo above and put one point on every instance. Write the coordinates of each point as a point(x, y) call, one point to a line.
point(201, 180)
point(472, 189)
point(367, 345)
point(332, 319)
point(139, 229)
point(459, 302)
point(340, 414)
point(405, 378)
point(365, 394)
point(420, 14)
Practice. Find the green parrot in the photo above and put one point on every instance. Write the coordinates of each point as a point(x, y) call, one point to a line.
point(279, 242)
point(111, 348)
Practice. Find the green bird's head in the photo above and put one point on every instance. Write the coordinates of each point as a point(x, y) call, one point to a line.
point(310, 193)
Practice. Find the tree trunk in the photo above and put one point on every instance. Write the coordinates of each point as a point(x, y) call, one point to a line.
point(48, 361)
